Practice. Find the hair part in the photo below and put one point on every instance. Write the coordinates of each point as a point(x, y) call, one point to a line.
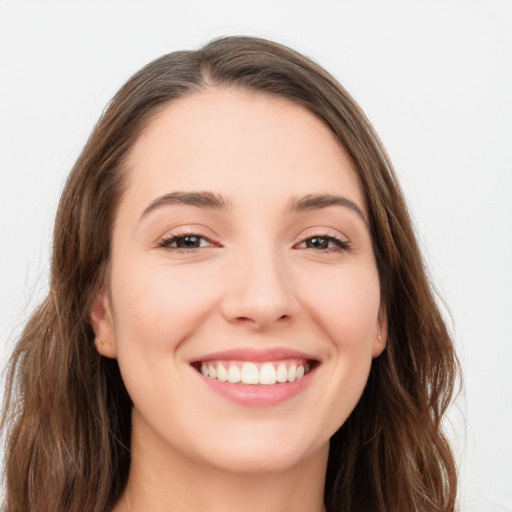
point(67, 412)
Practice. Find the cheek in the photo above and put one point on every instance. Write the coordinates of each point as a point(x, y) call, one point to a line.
point(155, 308)
point(346, 304)
point(158, 306)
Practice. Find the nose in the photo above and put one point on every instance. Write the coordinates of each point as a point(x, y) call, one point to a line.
point(259, 291)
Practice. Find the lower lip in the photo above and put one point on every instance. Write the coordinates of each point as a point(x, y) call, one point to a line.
point(261, 395)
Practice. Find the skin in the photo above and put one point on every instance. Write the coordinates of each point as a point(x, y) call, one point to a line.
point(255, 281)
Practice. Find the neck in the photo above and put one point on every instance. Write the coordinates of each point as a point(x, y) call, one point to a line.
point(161, 482)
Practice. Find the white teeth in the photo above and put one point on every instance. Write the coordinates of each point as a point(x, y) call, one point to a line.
point(233, 374)
point(292, 372)
point(282, 373)
point(249, 374)
point(268, 374)
point(222, 373)
point(212, 372)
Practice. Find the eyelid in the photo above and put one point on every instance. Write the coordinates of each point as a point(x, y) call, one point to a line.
point(338, 242)
point(322, 231)
point(341, 241)
point(164, 242)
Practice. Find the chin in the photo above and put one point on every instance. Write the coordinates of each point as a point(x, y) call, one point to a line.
point(258, 463)
point(264, 454)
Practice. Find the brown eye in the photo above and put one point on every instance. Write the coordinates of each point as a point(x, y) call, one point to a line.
point(317, 242)
point(188, 242)
point(185, 242)
point(324, 243)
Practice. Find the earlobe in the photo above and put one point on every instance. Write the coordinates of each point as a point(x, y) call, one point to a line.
point(381, 335)
point(101, 321)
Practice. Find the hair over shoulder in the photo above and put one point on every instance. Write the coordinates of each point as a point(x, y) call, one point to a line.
point(66, 419)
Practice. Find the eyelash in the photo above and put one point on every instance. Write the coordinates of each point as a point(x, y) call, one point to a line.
point(337, 245)
point(166, 243)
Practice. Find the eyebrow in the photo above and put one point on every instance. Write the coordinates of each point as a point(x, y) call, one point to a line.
point(210, 200)
point(207, 200)
point(318, 201)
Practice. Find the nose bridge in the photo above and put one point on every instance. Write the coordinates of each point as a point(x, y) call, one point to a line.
point(261, 290)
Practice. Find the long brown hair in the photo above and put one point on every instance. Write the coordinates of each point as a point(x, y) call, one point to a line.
point(67, 413)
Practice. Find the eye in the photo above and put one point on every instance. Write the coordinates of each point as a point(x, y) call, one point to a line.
point(324, 243)
point(185, 242)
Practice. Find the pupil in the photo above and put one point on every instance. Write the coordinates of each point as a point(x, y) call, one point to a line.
point(188, 241)
point(318, 243)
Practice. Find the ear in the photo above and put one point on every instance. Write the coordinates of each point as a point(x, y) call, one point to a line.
point(381, 334)
point(101, 321)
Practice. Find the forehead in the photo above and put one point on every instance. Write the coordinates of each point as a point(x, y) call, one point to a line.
point(235, 142)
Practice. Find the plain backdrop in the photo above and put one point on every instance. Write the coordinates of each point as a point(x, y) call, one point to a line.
point(434, 77)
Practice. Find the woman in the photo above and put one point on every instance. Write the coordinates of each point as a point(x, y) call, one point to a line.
point(238, 314)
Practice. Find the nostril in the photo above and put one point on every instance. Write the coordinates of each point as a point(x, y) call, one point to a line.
point(262, 321)
point(244, 319)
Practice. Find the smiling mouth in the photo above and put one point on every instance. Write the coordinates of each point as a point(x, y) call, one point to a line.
point(251, 373)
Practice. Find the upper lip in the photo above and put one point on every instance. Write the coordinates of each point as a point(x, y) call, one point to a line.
point(255, 355)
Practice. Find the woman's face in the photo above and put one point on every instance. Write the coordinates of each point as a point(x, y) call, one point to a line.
point(240, 250)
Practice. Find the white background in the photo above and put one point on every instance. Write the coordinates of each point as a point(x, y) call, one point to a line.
point(435, 78)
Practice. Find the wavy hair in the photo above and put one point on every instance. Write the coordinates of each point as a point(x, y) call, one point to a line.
point(66, 416)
